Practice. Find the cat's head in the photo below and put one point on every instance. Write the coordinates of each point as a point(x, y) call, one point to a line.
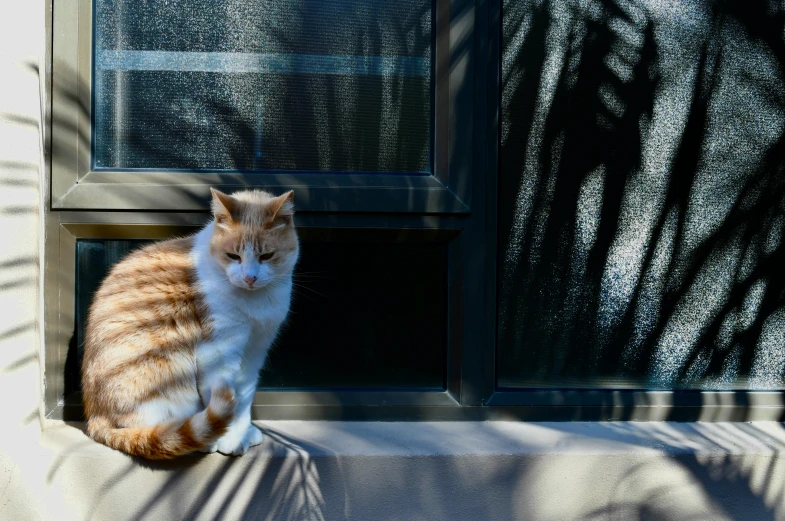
point(254, 238)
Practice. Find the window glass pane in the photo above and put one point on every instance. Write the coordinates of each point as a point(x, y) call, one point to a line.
point(366, 313)
point(642, 195)
point(338, 85)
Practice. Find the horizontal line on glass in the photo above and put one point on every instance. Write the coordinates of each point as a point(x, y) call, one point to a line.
point(239, 62)
point(642, 384)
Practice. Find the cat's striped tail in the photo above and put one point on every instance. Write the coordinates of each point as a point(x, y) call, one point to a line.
point(169, 440)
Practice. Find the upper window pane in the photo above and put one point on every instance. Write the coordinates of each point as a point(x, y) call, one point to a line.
point(642, 195)
point(249, 85)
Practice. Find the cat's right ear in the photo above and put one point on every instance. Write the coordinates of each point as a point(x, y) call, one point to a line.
point(223, 206)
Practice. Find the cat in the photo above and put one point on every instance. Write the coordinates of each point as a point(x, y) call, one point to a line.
point(179, 330)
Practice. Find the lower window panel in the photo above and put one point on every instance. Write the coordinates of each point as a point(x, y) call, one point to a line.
point(369, 311)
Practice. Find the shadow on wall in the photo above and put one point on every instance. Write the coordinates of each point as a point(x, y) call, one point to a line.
point(19, 273)
point(642, 195)
point(281, 481)
point(739, 484)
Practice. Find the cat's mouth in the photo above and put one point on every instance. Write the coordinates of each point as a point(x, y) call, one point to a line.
point(250, 287)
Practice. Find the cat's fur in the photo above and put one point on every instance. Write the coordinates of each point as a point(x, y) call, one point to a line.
point(178, 332)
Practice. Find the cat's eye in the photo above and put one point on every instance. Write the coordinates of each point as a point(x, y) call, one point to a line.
point(233, 256)
point(266, 256)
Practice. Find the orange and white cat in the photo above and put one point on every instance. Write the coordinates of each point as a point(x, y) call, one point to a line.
point(179, 330)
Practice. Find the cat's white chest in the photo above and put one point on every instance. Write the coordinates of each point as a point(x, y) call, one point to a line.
point(261, 312)
point(266, 308)
point(242, 330)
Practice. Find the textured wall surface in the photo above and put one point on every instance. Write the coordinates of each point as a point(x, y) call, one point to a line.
point(22, 473)
point(333, 471)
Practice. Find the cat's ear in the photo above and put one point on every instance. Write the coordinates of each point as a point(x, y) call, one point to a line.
point(223, 206)
point(281, 210)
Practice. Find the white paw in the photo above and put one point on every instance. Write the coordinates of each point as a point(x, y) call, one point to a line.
point(254, 436)
point(235, 443)
point(231, 444)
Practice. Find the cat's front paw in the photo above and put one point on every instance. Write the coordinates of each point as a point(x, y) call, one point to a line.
point(254, 436)
point(231, 444)
point(235, 443)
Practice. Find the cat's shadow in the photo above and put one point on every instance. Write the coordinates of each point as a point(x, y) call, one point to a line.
point(179, 463)
point(187, 461)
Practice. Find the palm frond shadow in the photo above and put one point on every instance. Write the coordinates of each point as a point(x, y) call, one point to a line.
point(291, 479)
point(607, 271)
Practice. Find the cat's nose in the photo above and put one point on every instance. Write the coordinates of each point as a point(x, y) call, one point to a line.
point(249, 280)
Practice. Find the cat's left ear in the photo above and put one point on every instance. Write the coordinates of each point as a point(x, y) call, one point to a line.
point(223, 207)
point(281, 209)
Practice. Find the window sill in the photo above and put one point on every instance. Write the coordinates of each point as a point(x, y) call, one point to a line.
point(449, 470)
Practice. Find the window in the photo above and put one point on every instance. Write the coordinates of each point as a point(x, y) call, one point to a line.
point(540, 210)
point(348, 103)
point(640, 234)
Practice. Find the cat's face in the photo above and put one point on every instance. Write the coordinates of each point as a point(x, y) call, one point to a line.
point(254, 239)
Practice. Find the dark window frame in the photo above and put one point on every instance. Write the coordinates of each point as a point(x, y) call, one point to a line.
point(574, 404)
point(66, 228)
point(460, 199)
point(139, 205)
point(76, 186)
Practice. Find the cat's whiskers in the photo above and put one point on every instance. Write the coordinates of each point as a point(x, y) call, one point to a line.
point(301, 287)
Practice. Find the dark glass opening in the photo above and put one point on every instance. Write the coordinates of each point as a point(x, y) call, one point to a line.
point(369, 311)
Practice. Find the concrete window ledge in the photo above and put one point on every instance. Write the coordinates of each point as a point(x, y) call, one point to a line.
point(438, 471)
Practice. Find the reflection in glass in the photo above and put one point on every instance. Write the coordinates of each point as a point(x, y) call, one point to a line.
point(642, 195)
point(253, 85)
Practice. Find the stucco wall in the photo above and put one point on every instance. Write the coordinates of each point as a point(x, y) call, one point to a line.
point(332, 470)
point(22, 475)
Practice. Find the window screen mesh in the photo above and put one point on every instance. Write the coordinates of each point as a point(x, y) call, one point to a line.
point(642, 195)
point(340, 85)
